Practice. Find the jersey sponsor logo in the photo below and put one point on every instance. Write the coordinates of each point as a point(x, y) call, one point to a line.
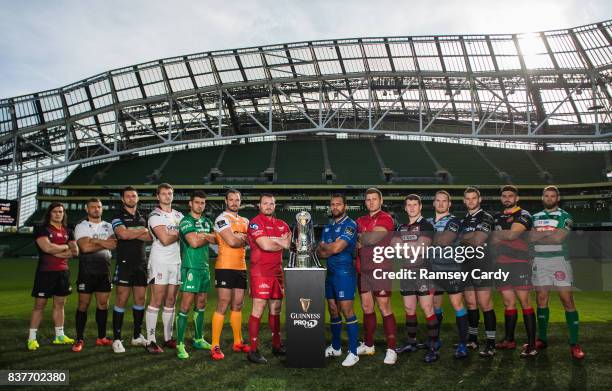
point(221, 223)
point(349, 231)
point(263, 285)
point(253, 226)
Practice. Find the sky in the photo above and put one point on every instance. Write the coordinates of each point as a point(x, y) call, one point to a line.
point(48, 44)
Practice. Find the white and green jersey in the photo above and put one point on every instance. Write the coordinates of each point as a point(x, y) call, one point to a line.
point(549, 221)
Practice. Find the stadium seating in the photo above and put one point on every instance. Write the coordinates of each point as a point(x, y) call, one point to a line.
point(246, 160)
point(300, 162)
point(354, 162)
point(190, 167)
point(464, 164)
point(406, 159)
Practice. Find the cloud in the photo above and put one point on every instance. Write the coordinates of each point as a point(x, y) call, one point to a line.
point(50, 44)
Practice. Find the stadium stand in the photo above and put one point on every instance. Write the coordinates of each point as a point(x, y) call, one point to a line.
point(464, 165)
point(305, 157)
point(353, 162)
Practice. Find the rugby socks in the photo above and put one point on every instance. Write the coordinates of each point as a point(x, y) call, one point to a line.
point(118, 321)
point(440, 316)
point(151, 323)
point(59, 331)
point(369, 328)
point(236, 323)
point(411, 328)
point(530, 325)
point(80, 321)
point(543, 314)
point(571, 318)
point(432, 329)
point(490, 326)
point(473, 319)
point(352, 329)
point(253, 332)
point(198, 323)
point(390, 329)
point(510, 319)
point(168, 322)
point(462, 325)
point(181, 325)
point(32, 334)
point(336, 332)
point(274, 323)
point(101, 318)
point(217, 326)
point(138, 314)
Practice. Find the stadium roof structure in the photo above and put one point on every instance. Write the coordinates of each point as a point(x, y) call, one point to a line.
point(545, 86)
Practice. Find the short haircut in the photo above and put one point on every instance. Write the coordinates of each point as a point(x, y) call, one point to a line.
point(511, 188)
point(93, 199)
point(551, 188)
point(412, 197)
point(54, 205)
point(471, 189)
point(198, 194)
point(128, 188)
point(338, 195)
point(163, 186)
point(446, 193)
point(262, 195)
point(373, 190)
point(233, 191)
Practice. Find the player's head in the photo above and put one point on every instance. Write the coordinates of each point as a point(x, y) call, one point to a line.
point(197, 202)
point(129, 197)
point(471, 198)
point(373, 200)
point(232, 200)
point(337, 205)
point(56, 214)
point(165, 194)
point(442, 201)
point(413, 205)
point(551, 197)
point(94, 208)
point(267, 204)
point(509, 196)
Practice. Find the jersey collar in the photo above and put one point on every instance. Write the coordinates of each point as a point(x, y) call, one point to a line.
point(475, 213)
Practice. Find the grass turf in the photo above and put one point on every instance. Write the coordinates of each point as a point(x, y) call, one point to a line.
point(98, 368)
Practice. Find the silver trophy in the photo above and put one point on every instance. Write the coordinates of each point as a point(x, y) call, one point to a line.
point(303, 253)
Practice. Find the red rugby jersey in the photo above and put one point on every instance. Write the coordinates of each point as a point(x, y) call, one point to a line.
point(266, 263)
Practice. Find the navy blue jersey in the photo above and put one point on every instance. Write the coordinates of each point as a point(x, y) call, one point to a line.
point(345, 229)
point(444, 224)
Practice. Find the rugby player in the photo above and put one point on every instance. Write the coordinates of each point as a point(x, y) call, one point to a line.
point(337, 245)
point(196, 232)
point(164, 267)
point(373, 229)
point(446, 227)
point(56, 244)
point(230, 273)
point(268, 237)
point(95, 239)
point(476, 227)
point(418, 232)
point(130, 227)
point(552, 268)
point(512, 255)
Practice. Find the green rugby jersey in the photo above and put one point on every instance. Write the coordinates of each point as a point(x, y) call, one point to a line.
point(548, 221)
point(194, 258)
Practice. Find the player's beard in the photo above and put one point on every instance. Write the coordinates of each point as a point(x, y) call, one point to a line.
point(336, 214)
point(509, 205)
point(550, 206)
point(125, 204)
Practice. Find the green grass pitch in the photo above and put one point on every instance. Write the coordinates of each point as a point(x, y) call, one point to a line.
point(100, 369)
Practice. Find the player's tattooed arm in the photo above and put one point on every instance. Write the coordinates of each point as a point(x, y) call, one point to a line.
point(515, 231)
point(328, 249)
point(556, 236)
